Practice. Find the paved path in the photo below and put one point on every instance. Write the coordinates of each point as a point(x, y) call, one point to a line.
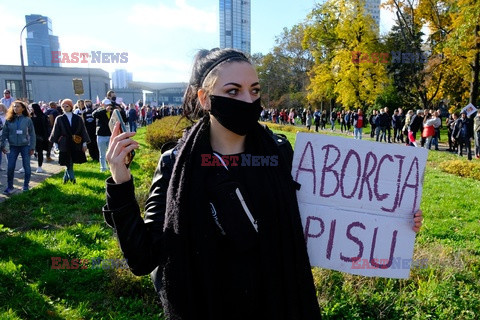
point(49, 168)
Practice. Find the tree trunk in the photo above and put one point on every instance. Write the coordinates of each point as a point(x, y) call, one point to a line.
point(474, 85)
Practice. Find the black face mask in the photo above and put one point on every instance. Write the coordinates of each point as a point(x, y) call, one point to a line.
point(236, 115)
point(113, 98)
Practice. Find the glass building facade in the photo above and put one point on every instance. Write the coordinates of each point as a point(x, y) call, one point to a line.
point(41, 42)
point(373, 8)
point(121, 78)
point(235, 24)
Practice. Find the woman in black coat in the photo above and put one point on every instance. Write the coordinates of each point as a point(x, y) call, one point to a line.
point(71, 136)
point(222, 235)
point(40, 123)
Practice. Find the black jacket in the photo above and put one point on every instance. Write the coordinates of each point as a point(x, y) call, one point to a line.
point(102, 122)
point(463, 129)
point(146, 242)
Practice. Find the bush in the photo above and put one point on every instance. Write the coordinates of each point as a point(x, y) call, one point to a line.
point(461, 168)
point(165, 130)
point(287, 127)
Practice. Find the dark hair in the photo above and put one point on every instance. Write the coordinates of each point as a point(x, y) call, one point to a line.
point(205, 65)
point(37, 110)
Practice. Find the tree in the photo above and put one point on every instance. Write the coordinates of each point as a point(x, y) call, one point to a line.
point(283, 72)
point(455, 31)
point(344, 43)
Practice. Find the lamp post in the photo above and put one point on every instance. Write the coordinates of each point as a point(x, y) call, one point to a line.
point(24, 81)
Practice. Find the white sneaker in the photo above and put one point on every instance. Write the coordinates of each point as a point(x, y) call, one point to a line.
point(39, 170)
point(21, 170)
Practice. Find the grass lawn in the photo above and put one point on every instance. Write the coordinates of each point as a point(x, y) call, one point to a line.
point(57, 220)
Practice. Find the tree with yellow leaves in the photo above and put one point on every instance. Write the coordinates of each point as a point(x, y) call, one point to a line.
point(344, 42)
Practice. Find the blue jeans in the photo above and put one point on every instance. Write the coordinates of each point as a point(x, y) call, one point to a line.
point(102, 142)
point(381, 134)
point(133, 126)
point(12, 161)
point(477, 143)
point(69, 175)
point(357, 133)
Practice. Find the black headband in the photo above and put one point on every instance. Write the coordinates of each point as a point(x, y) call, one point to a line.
point(222, 59)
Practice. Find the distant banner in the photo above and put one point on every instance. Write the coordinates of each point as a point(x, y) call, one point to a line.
point(469, 109)
point(357, 202)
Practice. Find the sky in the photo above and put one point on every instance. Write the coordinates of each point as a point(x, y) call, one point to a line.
point(161, 37)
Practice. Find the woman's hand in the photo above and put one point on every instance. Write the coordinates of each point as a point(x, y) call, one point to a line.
point(417, 221)
point(120, 146)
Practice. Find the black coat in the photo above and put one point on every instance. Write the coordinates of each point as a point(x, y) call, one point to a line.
point(200, 271)
point(40, 123)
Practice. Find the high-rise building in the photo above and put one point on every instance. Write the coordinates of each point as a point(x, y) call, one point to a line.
point(41, 42)
point(121, 78)
point(235, 24)
point(372, 7)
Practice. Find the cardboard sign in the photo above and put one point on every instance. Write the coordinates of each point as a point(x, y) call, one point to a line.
point(470, 109)
point(78, 86)
point(357, 203)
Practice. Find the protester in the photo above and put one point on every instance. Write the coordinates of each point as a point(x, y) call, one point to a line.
point(102, 115)
point(358, 124)
point(291, 117)
point(40, 124)
point(7, 99)
point(71, 136)
point(323, 120)
point(371, 121)
point(437, 123)
point(463, 134)
point(308, 119)
point(51, 113)
point(3, 114)
point(415, 125)
point(476, 131)
point(91, 126)
point(333, 118)
point(223, 239)
point(428, 130)
point(19, 134)
point(316, 118)
point(397, 124)
point(132, 118)
point(382, 122)
point(79, 107)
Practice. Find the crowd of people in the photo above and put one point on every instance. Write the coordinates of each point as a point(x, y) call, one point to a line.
point(419, 128)
point(66, 129)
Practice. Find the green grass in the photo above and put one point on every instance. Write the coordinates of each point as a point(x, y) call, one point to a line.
point(56, 220)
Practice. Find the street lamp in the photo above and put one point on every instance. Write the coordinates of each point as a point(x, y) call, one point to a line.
point(24, 81)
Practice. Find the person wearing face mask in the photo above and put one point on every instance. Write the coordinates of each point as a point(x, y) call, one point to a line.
point(7, 99)
point(222, 235)
point(102, 117)
point(19, 132)
point(90, 125)
point(112, 96)
point(71, 136)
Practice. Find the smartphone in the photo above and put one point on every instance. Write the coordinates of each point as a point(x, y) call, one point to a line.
point(117, 117)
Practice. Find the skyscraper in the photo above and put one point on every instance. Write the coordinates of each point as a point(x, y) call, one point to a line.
point(121, 78)
point(41, 42)
point(373, 8)
point(235, 24)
